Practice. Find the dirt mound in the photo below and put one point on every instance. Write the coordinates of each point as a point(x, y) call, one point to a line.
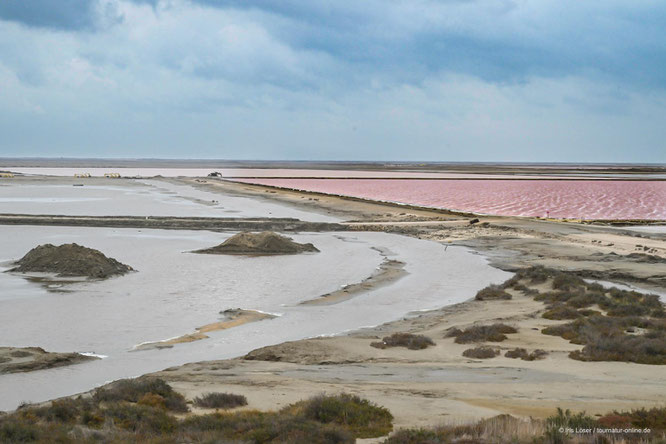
point(27, 359)
point(70, 260)
point(266, 242)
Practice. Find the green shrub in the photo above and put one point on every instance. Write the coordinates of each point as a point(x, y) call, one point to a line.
point(492, 293)
point(260, 427)
point(362, 417)
point(564, 419)
point(411, 341)
point(417, 436)
point(561, 311)
point(483, 352)
point(606, 339)
point(535, 275)
point(567, 282)
point(525, 355)
point(483, 333)
point(15, 429)
point(132, 390)
point(140, 418)
point(654, 418)
point(220, 401)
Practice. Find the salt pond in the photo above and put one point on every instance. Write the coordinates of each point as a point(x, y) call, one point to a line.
point(137, 198)
point(175, 291)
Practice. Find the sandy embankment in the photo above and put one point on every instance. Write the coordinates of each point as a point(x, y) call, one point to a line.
point(438, 384)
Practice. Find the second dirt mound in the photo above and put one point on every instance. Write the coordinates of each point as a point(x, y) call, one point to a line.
point(266, 242)
point(70, 260)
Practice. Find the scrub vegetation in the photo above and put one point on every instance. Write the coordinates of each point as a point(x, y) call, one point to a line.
point(408, 340)
point(482, 333)
point(610, 323)
point(149, 410)
point(552, 430)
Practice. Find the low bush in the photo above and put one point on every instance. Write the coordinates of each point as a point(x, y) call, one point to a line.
point(564, 419)
point(264, 427)
point(363, 418)
point(654, 418)
point(483, 333)
point(319, 420)
point(607, 339)
point(561, 311)
point(492, 293)
point(499, 429)
point(411, 341)
point(483, 352)
point(525, 355)
point(140, 418)
point(220, 401)
point(16, 429)
point(534, 275)
point(133, 390)
point(567, 282)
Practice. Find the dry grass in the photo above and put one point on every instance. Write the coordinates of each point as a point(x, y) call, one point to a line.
point(500, 429)
point(508, 429)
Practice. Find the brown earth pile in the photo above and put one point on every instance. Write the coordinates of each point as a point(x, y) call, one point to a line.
point(27, 359)
point(70, 260)
point(266, 242)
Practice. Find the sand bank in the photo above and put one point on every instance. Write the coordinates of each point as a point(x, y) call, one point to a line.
point(387, 273)
point(233, 318)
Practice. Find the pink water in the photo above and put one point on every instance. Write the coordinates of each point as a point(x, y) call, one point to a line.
point(534, 198)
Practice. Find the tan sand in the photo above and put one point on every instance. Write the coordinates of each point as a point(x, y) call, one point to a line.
point(427, 387)
point(233, 318)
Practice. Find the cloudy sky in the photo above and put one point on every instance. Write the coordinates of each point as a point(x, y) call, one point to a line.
point(447, 80)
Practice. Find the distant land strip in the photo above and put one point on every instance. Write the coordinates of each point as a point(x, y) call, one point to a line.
point(539, 178)
point(173, 223)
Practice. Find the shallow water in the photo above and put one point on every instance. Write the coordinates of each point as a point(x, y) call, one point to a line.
point(138, 198)
point(645, 228)
point(606, 199)
point(174, 292)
